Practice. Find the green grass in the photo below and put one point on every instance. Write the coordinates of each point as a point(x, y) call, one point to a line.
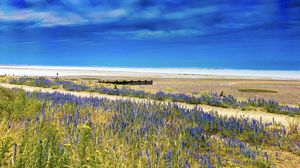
point(257, 91)
point(89, 79)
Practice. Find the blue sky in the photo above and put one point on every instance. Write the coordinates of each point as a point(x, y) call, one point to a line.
point(245, 34)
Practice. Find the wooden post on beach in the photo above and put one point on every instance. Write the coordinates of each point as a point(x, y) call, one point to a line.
point(222, 94)
point(56, 75)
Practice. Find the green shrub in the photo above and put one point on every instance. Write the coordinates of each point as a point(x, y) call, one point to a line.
point(55, 87)
point(14, 104)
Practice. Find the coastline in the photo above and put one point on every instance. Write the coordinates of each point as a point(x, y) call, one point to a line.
point(147, 72)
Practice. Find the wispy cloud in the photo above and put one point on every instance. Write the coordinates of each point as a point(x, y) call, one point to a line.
point(106, 16)
point(151, 34)
point(42, 18)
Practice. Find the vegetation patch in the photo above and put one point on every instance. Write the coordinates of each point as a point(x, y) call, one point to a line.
point(62, 130)
point(212, 99)
point(257, 91)
point(88, 79)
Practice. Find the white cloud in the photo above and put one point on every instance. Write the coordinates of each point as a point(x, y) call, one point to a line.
point(191, 12)
point(166, 33)
point(101, 16)
point(43, 19)
point(60, 18)
point(1, 15)
point(153, 34)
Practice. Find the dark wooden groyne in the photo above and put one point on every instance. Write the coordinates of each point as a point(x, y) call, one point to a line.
point(128, 82)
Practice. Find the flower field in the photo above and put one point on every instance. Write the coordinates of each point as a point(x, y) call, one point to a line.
point(62, 130)
point(212, 99)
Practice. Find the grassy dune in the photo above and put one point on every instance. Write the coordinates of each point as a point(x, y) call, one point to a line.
point(62, 130)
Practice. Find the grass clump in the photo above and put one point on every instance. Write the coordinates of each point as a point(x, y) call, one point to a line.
point(89, 79)
point(14, 104)
point(257, 91)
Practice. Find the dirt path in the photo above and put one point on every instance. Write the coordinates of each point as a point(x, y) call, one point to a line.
point(264, 116)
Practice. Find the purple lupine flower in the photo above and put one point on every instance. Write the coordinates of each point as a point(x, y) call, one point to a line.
point(148, 158)
point(186, 163)
point(169, 155)
point(267, 156)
